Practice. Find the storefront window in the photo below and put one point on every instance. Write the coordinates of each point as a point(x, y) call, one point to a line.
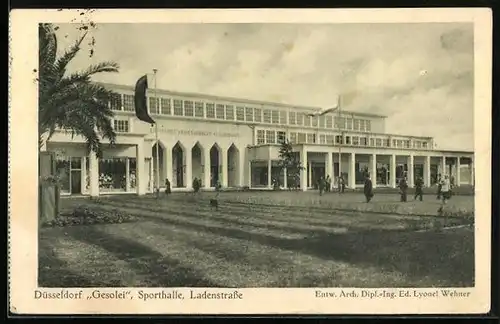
point(63, 173)
point(112, 174)
point(131, 172)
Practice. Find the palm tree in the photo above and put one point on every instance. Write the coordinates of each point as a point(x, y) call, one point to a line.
point(71, 101)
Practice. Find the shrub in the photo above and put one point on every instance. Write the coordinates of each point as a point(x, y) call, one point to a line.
point(85, 215)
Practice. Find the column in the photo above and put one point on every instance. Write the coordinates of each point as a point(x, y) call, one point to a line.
point(393, 171)
point(269, 184)
point(249, 174)
point(83, 178)
point(189, 168)
point(224, 167)
point(94, 174)
point(152, 175)
point(329, 165)
point(303, 170)
point(443, 166)
point(352, 171)
point(427, 171)
point(285, 178)
point(127, 173)
point(206, 168)
point(411, 172)
point(167, 165)
point(457, 178)
point(373, 170)
point(241, 168)
point(140, 172)
point(309, 174)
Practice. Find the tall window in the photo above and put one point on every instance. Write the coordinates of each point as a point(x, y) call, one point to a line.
point(198, 109)
point(407, 144)
point(300, 119)
point(291, 117)
point(363, 141)
point(368, 126)
point(240, 114)
point(281, 137)
point(178, 111)
point(372, 142)
point(249, 114)
point(378, 142)
point(128, 102)
point(425, 144)
point(275, 116)
point(116, 102)
point(301, 138)
point(293, 137)
point(121, 126)
point(266, 116)
point(338, 139)
point(270, 137)
point(349, 123)
point(342, 122)
point(257, 115)
point(260, 136)
point(307, 121)
point(282, 117)
point(322, 121)
point(329, 121)
point(322, 139)
point(154, 105)
point(166, 108)
point(219, 111)
point(314, 120)
point(311, 138)
point(387, 142)
point(229, 112)
point(188, 108)
point(210, 110)
point(356, 124)
point(330, 139)
point(362, 125)
point(355, 140)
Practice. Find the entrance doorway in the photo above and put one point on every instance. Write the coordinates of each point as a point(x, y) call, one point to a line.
point(76, 182)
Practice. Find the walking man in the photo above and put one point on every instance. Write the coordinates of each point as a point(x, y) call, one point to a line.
point(439, 185)
point(368, 188)
point(341, 184)
point(321, 185)
point(403, 186)
point(419, 182)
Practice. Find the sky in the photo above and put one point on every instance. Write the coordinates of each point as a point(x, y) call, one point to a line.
point(419, 75)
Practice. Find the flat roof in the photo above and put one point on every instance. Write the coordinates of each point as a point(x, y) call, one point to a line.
point(242, 100)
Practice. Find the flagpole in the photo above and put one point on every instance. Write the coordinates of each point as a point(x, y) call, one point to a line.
point(157, 144)
point(341, 141)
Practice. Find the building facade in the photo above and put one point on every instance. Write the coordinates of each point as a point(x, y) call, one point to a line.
point(236, 142)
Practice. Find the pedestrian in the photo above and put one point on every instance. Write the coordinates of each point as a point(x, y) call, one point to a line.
point(328, 183)
point(368, 188)
point(419, 182)
point(321, 185)
point(439, 186)
point(403, 186)
point(445, 192)
point(341, 184)
point(167, 187)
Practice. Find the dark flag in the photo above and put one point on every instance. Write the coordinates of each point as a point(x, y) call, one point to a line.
point(141, 107)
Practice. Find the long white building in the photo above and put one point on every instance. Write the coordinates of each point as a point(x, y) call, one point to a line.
point(236, 142)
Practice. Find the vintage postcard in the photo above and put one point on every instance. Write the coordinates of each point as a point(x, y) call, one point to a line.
point(250, 161)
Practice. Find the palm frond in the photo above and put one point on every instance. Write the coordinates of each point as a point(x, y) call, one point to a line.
point(62, 62)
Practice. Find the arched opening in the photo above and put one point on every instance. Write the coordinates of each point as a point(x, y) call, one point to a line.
point(178, 165)
point(215, 164)
point(158, 178)
point(233, 164)
point(197, 162)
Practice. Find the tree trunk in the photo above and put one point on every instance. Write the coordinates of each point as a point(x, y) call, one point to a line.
point(48, 202)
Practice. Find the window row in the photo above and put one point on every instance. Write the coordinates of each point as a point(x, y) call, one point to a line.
point(188, 108)
point(270, 137)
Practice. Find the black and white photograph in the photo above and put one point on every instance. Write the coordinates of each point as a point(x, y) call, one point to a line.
point(257, 155)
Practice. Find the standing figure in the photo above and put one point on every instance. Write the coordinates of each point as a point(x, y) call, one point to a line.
point(321, 185)
point(403, 186)
point(167, 187)
point(439, 186)
point(341, 184)
point(419, 183)
point(445, 192)
point(328, 183)
point(368, 188)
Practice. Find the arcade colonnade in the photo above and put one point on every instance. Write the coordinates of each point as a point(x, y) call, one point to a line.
point(232, 167)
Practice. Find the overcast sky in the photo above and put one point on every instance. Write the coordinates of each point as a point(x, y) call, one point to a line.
point(419, 75)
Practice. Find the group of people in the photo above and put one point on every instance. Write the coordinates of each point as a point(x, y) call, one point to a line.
point(325, 184)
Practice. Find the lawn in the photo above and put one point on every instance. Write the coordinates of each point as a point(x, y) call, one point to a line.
point(263, 239)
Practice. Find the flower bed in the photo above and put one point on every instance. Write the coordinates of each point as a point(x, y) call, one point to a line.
point(89, 215)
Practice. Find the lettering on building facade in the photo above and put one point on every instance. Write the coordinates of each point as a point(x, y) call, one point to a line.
point(194, 132)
